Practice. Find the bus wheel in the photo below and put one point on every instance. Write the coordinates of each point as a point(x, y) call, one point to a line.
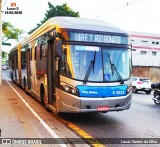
point(43, 98)
point(134, 89)
point(25, 85)
point(11, 74)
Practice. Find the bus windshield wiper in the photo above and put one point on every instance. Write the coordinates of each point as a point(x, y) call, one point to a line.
point(114, 68)
point(91, 66)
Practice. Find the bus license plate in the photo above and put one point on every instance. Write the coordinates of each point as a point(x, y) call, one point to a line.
point(102, 108)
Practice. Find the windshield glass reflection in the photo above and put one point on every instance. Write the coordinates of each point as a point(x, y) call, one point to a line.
point(77, 58)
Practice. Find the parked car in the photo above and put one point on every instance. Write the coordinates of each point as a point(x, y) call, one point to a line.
point(4, 67)
point(141, 84)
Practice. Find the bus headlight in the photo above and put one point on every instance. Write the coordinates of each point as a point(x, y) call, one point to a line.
point(129, 89)
point(66, 88)
point(70, 89)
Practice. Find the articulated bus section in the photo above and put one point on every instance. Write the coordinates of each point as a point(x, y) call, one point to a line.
point(72, 66)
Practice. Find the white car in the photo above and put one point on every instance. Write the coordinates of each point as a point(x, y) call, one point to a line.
point(4, 67)
point(141, 84)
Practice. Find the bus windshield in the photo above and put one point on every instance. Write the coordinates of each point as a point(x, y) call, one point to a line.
point(76, 60)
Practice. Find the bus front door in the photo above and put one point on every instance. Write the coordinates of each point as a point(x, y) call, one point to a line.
point(51, 74)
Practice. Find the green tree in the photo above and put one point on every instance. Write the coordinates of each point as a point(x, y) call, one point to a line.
point(9, 32)
point(4, 54)
point(59, 10)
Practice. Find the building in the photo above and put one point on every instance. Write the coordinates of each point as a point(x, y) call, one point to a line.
point(146, 54)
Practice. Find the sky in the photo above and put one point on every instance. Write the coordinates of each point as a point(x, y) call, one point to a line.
point(131, 15)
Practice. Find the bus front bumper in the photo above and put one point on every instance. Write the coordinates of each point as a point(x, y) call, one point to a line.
point(73, 104)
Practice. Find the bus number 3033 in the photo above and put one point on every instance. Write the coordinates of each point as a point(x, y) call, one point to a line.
point(118, 92)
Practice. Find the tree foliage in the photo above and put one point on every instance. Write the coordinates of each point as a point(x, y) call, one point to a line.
point(9, 31)
point(59, 10)
point(4, 54)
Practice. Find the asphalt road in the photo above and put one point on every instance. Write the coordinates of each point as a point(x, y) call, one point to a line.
point(140, 121)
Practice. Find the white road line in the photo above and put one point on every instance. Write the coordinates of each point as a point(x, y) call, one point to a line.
point(50, 131)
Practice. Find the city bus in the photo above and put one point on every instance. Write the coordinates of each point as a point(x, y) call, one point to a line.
point(75, 65)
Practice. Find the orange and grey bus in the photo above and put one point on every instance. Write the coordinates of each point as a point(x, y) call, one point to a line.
point(75, 65)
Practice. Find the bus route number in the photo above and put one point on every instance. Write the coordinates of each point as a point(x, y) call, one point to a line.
point(118, 92)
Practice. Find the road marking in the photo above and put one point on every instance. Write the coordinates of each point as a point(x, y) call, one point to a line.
point(50, 131)
point(81, 132)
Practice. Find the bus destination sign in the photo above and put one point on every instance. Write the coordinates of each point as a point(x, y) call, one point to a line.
point(99, 38)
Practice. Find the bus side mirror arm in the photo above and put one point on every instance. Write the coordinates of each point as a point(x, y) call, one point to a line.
point(57, 63)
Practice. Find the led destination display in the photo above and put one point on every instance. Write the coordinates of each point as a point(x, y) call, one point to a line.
point(99, 38)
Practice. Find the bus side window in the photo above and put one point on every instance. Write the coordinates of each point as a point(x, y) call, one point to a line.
point(23, 59)
point(30, 53)
point(44, 51)
point(65, 67)
point(35, 53)
point(38, 52)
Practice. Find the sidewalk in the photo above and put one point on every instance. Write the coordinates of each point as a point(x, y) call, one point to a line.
point(9, 124)
point(16, 120)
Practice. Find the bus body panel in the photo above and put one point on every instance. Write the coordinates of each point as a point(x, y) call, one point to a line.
point(36, 72)
point(71, 103)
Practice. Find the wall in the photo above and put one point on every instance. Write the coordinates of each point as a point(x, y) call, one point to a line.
point(145, 49)
point(153, 73)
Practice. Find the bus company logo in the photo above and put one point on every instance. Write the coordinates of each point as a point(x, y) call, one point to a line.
point(13, 9)
point(13, 4)
point(7, 141)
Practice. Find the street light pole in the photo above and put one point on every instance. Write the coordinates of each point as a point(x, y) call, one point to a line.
point(0, 42)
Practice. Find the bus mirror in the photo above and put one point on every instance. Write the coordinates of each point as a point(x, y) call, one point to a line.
point(65, 50)
point(57, 64)
point(58, 47)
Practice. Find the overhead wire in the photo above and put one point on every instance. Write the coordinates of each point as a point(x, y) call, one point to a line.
point(119, 8)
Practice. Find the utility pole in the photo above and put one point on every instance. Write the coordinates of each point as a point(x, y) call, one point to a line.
point(0, 42)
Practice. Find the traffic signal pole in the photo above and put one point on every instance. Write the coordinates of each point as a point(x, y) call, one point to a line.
point(0, 42)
